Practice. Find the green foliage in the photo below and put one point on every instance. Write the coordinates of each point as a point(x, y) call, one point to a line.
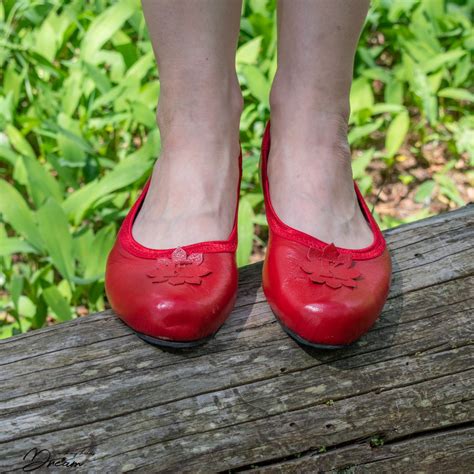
point(78, 89)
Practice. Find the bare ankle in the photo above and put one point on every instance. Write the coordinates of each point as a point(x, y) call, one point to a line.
point(201, 105)
point(299, 131)
point(290, 94)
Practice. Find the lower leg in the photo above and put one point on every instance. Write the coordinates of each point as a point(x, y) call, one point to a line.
point(309, 166)
point(192, 196)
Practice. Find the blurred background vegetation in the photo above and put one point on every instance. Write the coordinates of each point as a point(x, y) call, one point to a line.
point(78, 89)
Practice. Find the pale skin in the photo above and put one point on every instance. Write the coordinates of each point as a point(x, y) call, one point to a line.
point(193, 192)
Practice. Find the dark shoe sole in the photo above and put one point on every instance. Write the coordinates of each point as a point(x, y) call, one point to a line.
point(167, 344)
point(306, 343)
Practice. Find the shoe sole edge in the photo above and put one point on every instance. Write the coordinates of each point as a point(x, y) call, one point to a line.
point(313, 345)
point(169, 344)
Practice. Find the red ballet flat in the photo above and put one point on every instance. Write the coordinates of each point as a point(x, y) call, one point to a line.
point(177, 297)
point(322, 295)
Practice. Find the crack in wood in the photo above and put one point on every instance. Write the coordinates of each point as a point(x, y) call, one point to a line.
point(311, 453)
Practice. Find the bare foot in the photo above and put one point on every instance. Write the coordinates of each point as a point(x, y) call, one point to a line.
point(310, 177)
point(193, 192)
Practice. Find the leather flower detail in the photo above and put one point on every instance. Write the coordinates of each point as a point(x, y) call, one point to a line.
point(330, 267)
point(180, 268)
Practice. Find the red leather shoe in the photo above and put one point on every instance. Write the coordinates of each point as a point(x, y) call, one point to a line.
point(323, 296)
point(175, 297)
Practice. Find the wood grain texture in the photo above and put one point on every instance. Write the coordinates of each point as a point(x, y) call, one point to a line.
point(400, 399)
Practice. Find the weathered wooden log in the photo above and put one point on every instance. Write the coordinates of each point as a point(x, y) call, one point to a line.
point(400, 400)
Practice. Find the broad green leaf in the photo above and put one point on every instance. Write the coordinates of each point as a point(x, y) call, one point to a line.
point(7, 330)
point(394, 92)
point(12, 81)
point(105, 25)
point(418, 50)
point(114, 63)
point(356, 133)
point(45, 42)
point(82, 244)
point(26, 309)
point(125, 173)
point(366, 55)
point(72, 91)
point(8, 155)
point(464, 136)
point(365, 183)
point(377, 74)
point(456, 94)
point(9, 246)
point(398, 8)
point(39, 318)
point(463, 68)
point(19, 173)
point(435, 9)
point(442, 59)
point(100, 79)
point(19, 142)
point(72, 145)
point(258, 84)
point(16, 288)
point(6, 109)
point(98, 253)
point(49, 36)
point(72, 155)
point(422, 88)
point(110, 121)
point(108, 98)
point(449, 189)
point(435, 80)
point(424, 191)
point(57, 303)
point(54, 230)
point(382, 108)
point(396, 133)
point(245, 231)
point(41, 184)
point(261, 220)
point(248, 117)
point(248, 53)
point(259, 6)
point(144, 115)
point(149, 93)
point(425, 31)
point(72, 130)
point(361, 96)
point(360, 163)
point(16, 212)
point(254, 199)
point(140, 69)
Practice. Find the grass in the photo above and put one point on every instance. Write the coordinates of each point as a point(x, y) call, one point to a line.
point(78, 138)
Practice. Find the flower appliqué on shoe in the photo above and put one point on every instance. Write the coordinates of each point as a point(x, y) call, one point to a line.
point(330, 267)
point(180, 268)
